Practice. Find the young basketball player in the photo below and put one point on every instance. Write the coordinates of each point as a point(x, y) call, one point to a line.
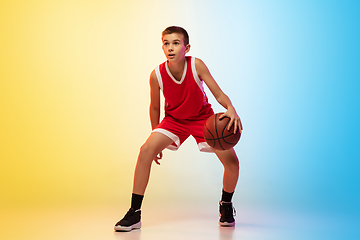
point(181, 79)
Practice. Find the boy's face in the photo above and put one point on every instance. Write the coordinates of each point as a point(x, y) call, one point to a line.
point(174, 48)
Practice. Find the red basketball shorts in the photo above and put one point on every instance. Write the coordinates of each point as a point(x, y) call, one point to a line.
point(180, 129)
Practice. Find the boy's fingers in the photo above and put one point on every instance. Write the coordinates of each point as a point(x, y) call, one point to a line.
point(236, 127)
point(222, 116)
point(157, 158)
point(231, 122)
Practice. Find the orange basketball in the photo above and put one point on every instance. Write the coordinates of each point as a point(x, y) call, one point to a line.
point(216, 133)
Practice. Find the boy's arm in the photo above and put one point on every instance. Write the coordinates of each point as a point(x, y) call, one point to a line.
point(155, 107)
point(154, 100)
point(219, 95)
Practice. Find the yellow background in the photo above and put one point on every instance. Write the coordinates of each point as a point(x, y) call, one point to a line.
point(74, 96)
point(74, 101)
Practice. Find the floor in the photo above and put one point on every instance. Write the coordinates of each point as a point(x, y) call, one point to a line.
point(180, 223)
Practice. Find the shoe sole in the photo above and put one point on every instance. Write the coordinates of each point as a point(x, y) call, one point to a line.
point(226, 224)
point(127, 229)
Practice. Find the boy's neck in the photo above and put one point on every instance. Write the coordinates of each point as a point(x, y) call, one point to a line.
point(176, 66)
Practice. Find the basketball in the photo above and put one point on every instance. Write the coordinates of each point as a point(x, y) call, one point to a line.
point(216, 133)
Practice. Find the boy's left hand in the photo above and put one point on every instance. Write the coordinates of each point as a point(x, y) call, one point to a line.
point(158, 157)
point(234, 119)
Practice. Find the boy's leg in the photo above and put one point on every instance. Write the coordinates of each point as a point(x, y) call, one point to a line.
point(231, 168)
point(231, 174)
point(148, 151)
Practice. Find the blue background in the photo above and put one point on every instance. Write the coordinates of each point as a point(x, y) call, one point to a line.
point(291, 69)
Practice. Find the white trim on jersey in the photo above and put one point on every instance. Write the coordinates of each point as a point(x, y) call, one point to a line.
point(159, 78)
point(196, 76)
point(172, 77)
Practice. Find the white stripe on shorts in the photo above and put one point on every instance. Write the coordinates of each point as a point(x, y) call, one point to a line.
point(172, 136)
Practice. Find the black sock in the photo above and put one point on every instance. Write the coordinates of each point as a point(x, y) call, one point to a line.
point(136, 201)
point(226, 197)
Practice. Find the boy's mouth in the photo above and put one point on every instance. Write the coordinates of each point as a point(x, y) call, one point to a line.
point(171, 55)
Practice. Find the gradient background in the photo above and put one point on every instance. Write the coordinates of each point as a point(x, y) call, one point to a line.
point(74, 102)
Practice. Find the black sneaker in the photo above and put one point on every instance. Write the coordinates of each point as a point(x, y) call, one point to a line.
point(226, 211)
point(130, 221)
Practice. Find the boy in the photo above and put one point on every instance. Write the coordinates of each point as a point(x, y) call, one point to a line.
point(186, 110)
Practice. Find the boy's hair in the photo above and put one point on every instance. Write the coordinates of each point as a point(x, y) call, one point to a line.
point(179, 30)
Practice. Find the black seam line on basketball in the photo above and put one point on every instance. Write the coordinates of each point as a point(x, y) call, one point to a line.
point(210, 134)
point(222, 134)
point(217, 132)
point(220, 138)
point(231, 134)
point(224, 141)
point(230, 142)
point(217, 139)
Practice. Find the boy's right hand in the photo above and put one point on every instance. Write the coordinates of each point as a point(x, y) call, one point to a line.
point(157, 158)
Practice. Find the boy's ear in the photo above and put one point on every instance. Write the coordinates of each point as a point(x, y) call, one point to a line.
point(187, 48)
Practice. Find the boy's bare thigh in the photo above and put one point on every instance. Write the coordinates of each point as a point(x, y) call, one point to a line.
point(157, 142)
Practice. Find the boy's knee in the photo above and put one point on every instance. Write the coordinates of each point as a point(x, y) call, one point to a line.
point(234, 164)
point(145, 151)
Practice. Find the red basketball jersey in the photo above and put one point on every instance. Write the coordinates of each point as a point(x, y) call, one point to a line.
point(184, 99)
